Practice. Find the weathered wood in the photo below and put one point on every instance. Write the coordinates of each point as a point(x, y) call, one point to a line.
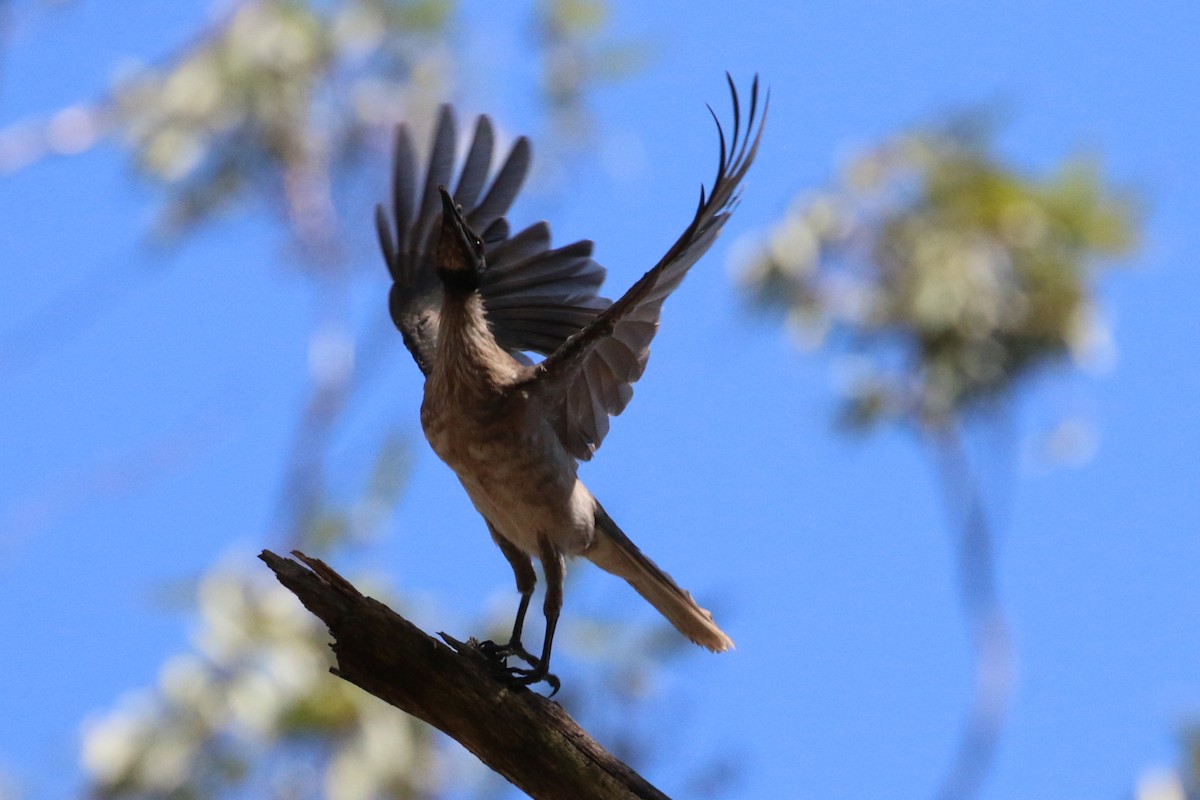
point(525, 737)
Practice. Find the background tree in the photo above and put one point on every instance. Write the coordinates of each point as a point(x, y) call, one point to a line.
point(951, 279)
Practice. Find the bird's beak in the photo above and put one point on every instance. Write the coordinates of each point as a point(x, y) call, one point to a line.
point(449, 209)
point(459, 253)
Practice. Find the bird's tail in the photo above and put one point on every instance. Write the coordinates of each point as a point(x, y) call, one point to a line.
point(613, 552)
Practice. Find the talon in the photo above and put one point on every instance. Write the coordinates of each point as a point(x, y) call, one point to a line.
point(518, 676)
point(501, 652)
point(496, 652)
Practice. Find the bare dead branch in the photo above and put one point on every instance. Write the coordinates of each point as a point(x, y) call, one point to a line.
point(523, 736)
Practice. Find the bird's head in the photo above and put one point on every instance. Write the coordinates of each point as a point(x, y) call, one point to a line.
point(459, 253)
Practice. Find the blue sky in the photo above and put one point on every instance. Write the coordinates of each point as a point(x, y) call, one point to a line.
point(148, 398)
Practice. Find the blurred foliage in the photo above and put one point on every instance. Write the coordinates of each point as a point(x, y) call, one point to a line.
point(950, 278)
point(253, 711)
point(950, 275)
point(327, 524)
point(276, 95)
point(279, 105)
point(1181, 783)
point(1191, 740)
point(574, 59)
point(276, 100)
point(1163, 784)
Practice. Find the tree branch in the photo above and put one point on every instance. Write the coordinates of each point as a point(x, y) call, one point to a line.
point(523, 736)
point(994, 658)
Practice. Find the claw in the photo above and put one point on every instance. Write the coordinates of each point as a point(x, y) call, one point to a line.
point(498, 654)
point(501, 652)
point(527, 677)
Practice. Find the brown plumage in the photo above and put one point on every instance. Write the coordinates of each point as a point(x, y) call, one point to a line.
point(469, 299)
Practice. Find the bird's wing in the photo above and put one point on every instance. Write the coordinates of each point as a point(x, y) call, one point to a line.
point(535, 296)
point(590, 377)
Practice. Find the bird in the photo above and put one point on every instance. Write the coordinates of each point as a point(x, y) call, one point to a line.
point(472, 300)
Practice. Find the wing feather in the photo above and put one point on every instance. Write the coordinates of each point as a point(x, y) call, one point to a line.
point(504, 188)
point(478, 164)
point(441, 162)
point(569, 379)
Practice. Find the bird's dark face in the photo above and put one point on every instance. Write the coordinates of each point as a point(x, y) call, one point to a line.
point(459, 253)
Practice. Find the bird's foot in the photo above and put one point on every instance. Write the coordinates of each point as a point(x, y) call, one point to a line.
point(500, 653)
point(497, 654)
point(516, 676)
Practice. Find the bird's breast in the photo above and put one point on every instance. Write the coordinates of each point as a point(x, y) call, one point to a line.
point(509, 459)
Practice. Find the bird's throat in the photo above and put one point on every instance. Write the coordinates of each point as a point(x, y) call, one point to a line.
point(464, 331)
point(460, 282)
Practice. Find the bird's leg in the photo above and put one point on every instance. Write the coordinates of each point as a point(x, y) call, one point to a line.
point(522, 568)
point(554, 565)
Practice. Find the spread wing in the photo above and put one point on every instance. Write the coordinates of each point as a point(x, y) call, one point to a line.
point(590, 377)
point(535, 296)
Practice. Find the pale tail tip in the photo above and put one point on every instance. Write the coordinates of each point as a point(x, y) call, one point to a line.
point(716, 644)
